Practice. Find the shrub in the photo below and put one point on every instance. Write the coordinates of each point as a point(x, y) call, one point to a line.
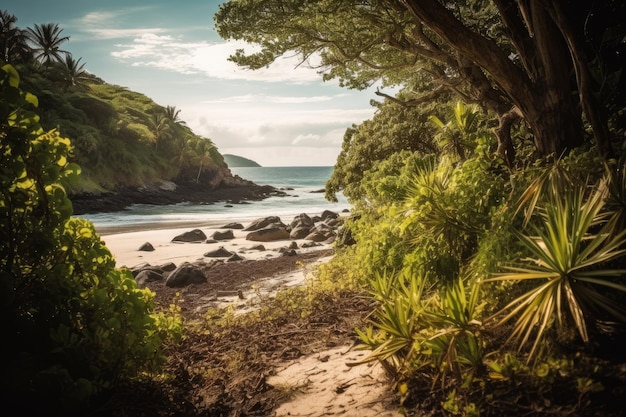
point(73, 323)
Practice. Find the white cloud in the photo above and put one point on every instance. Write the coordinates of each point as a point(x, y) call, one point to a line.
point(209, 59)
point(259, 98)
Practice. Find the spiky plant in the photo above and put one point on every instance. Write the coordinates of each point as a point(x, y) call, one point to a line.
point(570, 248)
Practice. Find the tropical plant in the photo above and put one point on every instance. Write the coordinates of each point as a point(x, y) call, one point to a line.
point(568, 272)
point(173, 115)
point(76, 324)
point(72, 72)
point(46, 43)
point(13, 40)
point(456, 347)
point(455, 136)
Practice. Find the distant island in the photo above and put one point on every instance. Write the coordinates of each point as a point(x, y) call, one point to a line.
point(239, 161)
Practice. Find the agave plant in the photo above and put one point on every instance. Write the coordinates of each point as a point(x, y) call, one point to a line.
point(396, 322)
point(456, 346)
point(570, 248)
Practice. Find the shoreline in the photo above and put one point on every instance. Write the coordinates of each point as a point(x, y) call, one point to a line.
point(124, 241)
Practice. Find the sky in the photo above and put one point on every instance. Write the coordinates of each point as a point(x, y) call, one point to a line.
point(284, 115)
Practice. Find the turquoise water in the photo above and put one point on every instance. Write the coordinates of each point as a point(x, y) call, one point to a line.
point(300, 183)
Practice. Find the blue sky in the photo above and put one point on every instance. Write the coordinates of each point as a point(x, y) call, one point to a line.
point(169, 51)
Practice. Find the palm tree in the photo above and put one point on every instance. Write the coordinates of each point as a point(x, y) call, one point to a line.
point(172, 113)
point(46, 39)
point(72, 71)
point(13, 40)
point(159, 125)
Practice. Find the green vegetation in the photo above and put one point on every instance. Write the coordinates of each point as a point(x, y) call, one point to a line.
point(74, 325)
point(488, 196)
point(488, 193)
point(120, 138)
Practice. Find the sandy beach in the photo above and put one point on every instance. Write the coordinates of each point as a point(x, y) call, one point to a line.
point(323, 383)
point(125, 246)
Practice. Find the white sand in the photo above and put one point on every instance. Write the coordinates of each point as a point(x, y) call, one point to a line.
point(323, 384)
point(125, 246)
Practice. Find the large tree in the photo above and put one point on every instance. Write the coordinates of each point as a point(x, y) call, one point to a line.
point(523, 59)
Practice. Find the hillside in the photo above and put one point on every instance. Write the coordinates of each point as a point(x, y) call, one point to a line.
point(131, 149)
point(239, 161)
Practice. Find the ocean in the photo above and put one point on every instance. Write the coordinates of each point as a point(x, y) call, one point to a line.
point(302, 184)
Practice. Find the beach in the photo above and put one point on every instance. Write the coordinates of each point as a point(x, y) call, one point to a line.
point(322, 381)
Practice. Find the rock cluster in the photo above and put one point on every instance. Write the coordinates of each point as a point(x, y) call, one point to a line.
point(314, 230)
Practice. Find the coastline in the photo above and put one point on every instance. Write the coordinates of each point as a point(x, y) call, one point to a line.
point(124, 242)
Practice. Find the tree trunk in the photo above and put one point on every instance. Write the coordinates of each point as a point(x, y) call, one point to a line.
point(542, 90)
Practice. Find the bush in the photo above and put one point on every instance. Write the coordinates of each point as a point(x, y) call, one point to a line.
point(73, 323)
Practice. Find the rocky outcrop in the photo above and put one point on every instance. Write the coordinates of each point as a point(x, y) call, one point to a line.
point(233, 191)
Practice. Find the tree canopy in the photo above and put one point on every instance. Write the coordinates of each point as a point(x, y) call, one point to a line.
point(554, 65)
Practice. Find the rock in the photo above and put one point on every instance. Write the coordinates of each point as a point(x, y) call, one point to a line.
point(234, 258)
point(327, 214)
point(184, 275)
point(289, 252)
point(220, 252)
point(167, 267)
point(264, 222)
point(300, 232)
point(302, 219)
point(233, 226)
point(321, 233)
point(223, 235)
point(195, 235)
point(146, 247)
point(260, 248)
point(148, 275)
point(268, 234)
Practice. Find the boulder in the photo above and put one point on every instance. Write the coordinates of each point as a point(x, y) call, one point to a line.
point(268, 234)
point(148, 275)
point(321, 233)
point(167, 267)
point(300, 232)
point(264, 222)
point(302, 219)
point(220, 252)
point(195, 235)
point(223, 235)
point(328, 214)
point(146, 247)
point(184, 275)
point(233, 226)
point(234, 258)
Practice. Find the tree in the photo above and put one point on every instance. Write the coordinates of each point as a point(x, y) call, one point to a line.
point(13, 41)
point(523, 59)
point(72, 71)
point(173, 115)
point(47, 40)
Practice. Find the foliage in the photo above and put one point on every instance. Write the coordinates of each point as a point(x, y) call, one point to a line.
point(76, 324)
point(545, 64)
point(570, 253)
point(393, 129)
